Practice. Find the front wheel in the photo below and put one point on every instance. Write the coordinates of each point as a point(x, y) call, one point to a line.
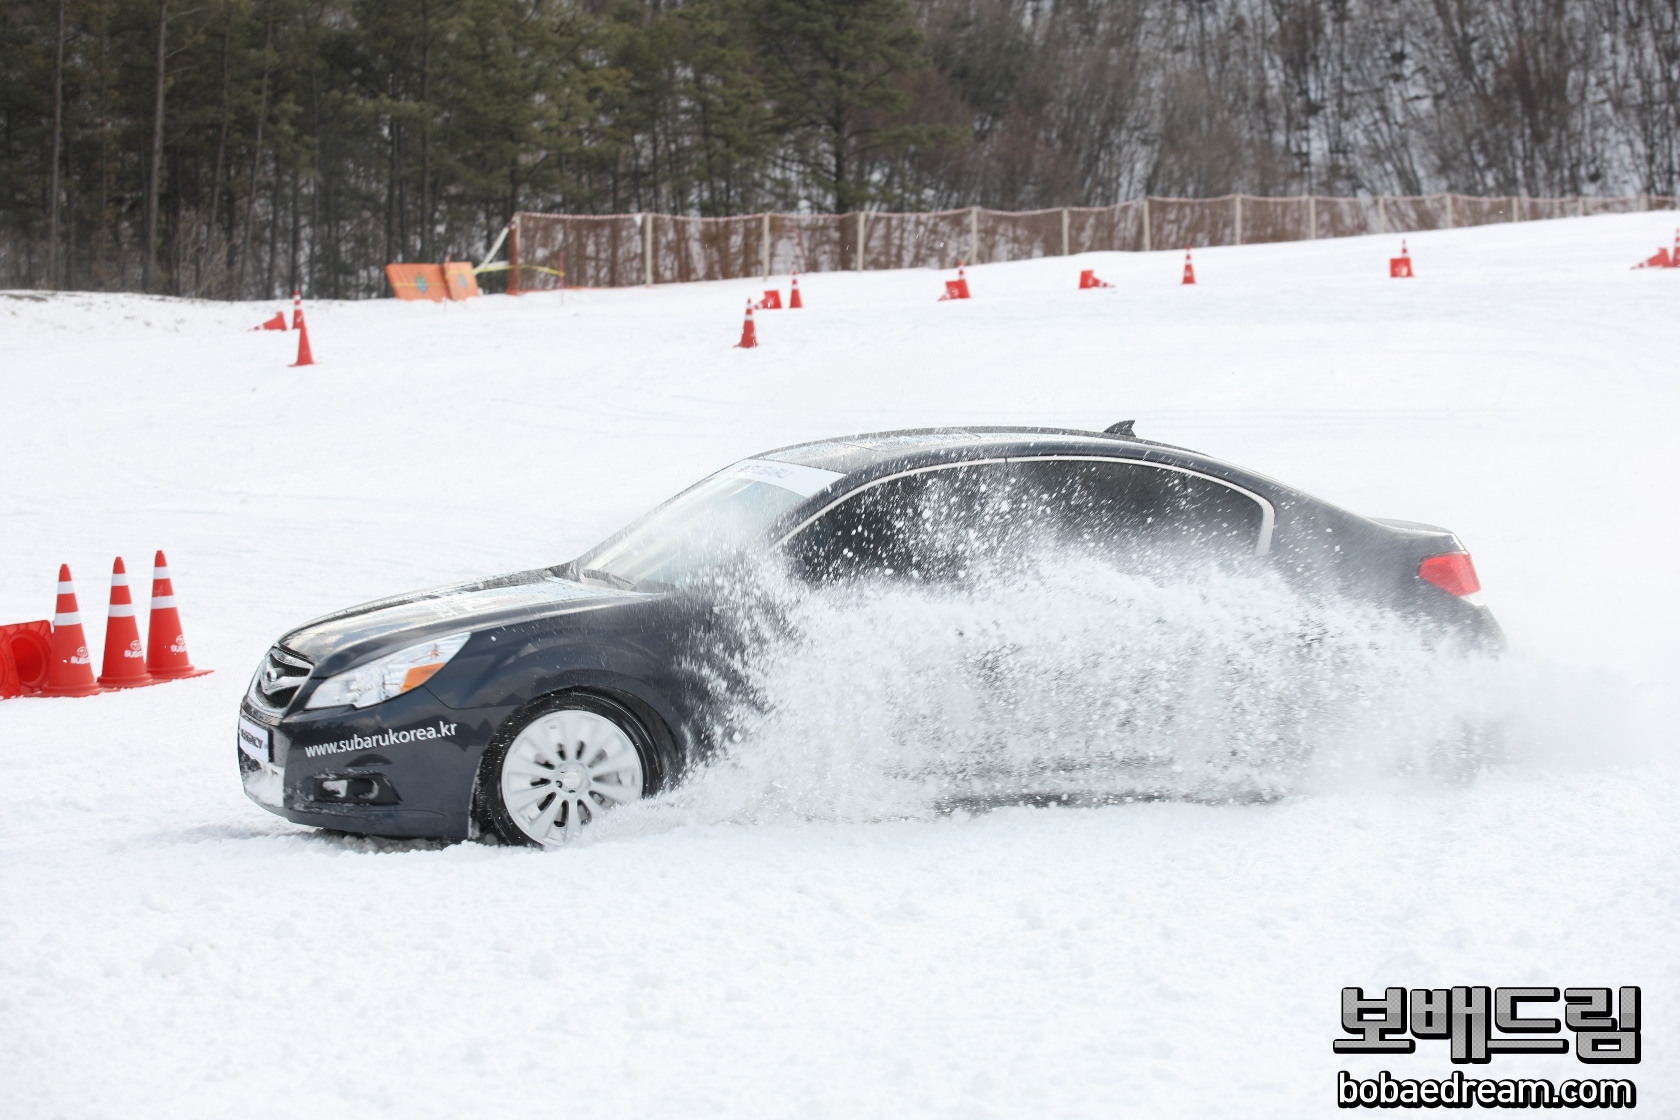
point(560, 766)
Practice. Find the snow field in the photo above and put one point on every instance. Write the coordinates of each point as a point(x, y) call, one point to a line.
point(169, 949)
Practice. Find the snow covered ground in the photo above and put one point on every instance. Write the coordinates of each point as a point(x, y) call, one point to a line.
point(168, 949)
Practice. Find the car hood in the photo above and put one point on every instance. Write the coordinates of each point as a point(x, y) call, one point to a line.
point(340, 640)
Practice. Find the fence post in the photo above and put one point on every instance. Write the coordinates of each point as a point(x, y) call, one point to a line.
point(1516, 214)
point(1146, 223)
point(1064, 231)
point(647, 247)
point(862, 229)
point(1382, 214)
point(764, 243)
point(513, 256)
point(974, 235)
point(1449, 210)
point(1236, 206)
point(1580, 206)
point(1312, 217)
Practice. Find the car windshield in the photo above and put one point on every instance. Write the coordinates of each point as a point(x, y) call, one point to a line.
point(710, 522)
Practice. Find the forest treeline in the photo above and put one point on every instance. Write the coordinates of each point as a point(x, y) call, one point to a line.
point(241, 148)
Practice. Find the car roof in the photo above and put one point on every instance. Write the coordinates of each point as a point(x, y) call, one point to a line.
point(852, 454)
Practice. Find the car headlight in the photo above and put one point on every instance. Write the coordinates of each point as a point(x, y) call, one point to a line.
point(391, 675)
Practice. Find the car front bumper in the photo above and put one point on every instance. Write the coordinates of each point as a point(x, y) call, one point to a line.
point(402, 768)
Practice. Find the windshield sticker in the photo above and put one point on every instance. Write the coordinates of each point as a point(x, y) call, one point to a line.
point(803, 481)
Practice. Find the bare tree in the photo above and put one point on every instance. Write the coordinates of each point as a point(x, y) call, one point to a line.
point(154, 170)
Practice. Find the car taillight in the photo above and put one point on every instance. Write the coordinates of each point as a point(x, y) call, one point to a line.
point(1454, 573)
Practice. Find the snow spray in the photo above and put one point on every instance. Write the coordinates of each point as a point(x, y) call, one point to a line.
point(1077, 684)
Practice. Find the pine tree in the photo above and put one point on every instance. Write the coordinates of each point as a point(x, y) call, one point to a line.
point(833, 71)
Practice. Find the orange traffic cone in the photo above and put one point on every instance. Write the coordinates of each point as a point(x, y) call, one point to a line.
point(166, 646)
point(305, 356)
point(795, 302)
point(772, 300)
point(1664, 258)
point(958, 288)
point(1660, 260)
point(71, 670)
point(1088, 279)
point(278, 323)
point(1400, 268)
point(125, 659)
point(749, 334)
point(1189, 269)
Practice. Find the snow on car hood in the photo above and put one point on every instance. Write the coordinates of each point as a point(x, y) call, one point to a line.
point(405, 619)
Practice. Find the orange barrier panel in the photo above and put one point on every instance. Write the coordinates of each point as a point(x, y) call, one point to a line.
point(418, 281)
point(460, 279)
point(436, 282)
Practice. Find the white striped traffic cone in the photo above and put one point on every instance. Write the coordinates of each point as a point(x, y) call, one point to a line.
point(166, 645)
point(125, 659)
point(749, 333)
point(71, 670)
point(305, 356)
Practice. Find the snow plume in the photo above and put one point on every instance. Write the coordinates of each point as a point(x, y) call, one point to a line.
point(1084, 685)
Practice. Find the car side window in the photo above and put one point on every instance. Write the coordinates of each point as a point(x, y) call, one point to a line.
point(917, 526)
point(946, 523)
point(1129, 510)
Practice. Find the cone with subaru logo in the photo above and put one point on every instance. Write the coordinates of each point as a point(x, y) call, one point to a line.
point(166, 645)
point(70, 672)
point(125, 659)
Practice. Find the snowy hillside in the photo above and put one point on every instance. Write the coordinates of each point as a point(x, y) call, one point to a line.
point(169, 949)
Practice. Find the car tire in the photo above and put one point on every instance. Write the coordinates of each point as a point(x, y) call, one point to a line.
point(557, 765)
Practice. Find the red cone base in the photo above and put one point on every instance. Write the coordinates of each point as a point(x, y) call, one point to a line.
point(1088, 279)
point(278, 323)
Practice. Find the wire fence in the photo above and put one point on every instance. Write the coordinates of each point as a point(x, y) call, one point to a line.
point(619, 250)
